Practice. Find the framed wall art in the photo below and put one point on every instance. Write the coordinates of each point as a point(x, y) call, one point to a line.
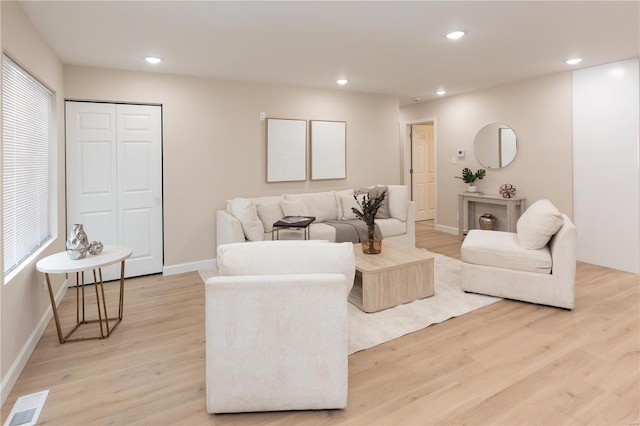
point(286, 150)
point(328, 149)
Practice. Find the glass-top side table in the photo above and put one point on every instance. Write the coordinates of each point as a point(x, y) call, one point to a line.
point(60, 263)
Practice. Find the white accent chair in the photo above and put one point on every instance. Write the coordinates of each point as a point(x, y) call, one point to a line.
point(537, 264)
point(276, 326)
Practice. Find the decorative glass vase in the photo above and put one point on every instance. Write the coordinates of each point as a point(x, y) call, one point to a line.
point(77, 242)
point(371, 242)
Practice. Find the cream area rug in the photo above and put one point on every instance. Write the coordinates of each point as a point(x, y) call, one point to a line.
point(367, 330)
point(449, 301)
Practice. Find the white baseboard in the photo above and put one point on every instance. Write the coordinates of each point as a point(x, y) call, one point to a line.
point(188, 267)
point(447, 229)
point(18, 364)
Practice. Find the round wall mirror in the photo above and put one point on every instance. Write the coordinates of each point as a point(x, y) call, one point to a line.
point(495, 146)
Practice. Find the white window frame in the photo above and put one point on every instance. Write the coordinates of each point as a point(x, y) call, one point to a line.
point(23, 254)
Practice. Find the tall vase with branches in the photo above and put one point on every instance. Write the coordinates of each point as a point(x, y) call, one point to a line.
point(371, 242)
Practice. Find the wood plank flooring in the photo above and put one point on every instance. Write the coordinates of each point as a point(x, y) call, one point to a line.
point(510, 363)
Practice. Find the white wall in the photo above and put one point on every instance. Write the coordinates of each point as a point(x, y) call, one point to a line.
point(538, 110)
point(25, 307)
point(606, 111)
point(214, 144)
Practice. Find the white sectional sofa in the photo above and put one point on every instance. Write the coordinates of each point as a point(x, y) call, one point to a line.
point(252, 219)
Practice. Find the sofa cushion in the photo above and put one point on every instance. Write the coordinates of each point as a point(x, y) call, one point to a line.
point(259, 200)
point(391, 227)
point(502, 250)
point(398, 199)
point(269, 213)
point(374, 191)
point(538, 224)
point(317, 231)
point(294, 208)
point(322, 205)
point(246, 212)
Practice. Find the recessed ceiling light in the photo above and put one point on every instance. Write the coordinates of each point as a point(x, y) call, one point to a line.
point(153, 60)
point(455, 35)
point(342, 81)
point(573, 61)
point(441, 92)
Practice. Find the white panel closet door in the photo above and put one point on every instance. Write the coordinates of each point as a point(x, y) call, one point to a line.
point(140, 186)
point(92, 197)
point(114, 179)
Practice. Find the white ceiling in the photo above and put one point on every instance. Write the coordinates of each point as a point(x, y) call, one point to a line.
point(393, 47)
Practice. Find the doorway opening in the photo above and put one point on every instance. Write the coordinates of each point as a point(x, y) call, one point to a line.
point(420, 148)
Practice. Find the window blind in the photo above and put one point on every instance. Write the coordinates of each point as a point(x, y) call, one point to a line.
point(26, 112)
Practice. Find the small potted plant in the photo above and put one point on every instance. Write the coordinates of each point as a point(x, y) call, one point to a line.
point(470, 178)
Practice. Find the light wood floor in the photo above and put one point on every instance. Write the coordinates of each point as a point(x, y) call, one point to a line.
point(510, 363)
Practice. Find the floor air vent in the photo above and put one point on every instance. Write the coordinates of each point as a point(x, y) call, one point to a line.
point(26, 410)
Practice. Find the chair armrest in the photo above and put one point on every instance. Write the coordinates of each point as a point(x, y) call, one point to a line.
point(563, 250)
point(228, 229)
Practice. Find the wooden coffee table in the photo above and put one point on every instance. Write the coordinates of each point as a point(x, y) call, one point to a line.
point(397, 275)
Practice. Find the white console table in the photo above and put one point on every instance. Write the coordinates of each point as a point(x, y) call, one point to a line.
point(466, 209)
point(60, 263)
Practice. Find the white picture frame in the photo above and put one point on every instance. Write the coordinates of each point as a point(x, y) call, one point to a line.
point(286, 150)
point(328, 149)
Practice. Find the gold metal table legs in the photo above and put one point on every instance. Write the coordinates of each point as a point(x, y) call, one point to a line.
point(103, 318)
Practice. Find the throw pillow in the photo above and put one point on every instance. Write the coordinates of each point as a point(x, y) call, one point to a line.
point(294, 208)
point(398, 199)
point(348, 202)
point(339, 195)
point(538, 224)
point(269, 213)
point(374, 191)
point(245, 211)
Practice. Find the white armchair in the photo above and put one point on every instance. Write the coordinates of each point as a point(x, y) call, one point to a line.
point(276, 326)
point(537, 264)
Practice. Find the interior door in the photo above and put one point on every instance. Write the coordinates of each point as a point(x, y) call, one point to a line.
point(423, 176)
point(114, 179)
point(140, 186)
point(92, 197)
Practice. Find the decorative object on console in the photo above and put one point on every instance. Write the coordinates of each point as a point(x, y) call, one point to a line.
point(507, 190)
point(95, 248)
point(77, 242)
point(371, 242)
point(487, 222)
point(469, 177)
